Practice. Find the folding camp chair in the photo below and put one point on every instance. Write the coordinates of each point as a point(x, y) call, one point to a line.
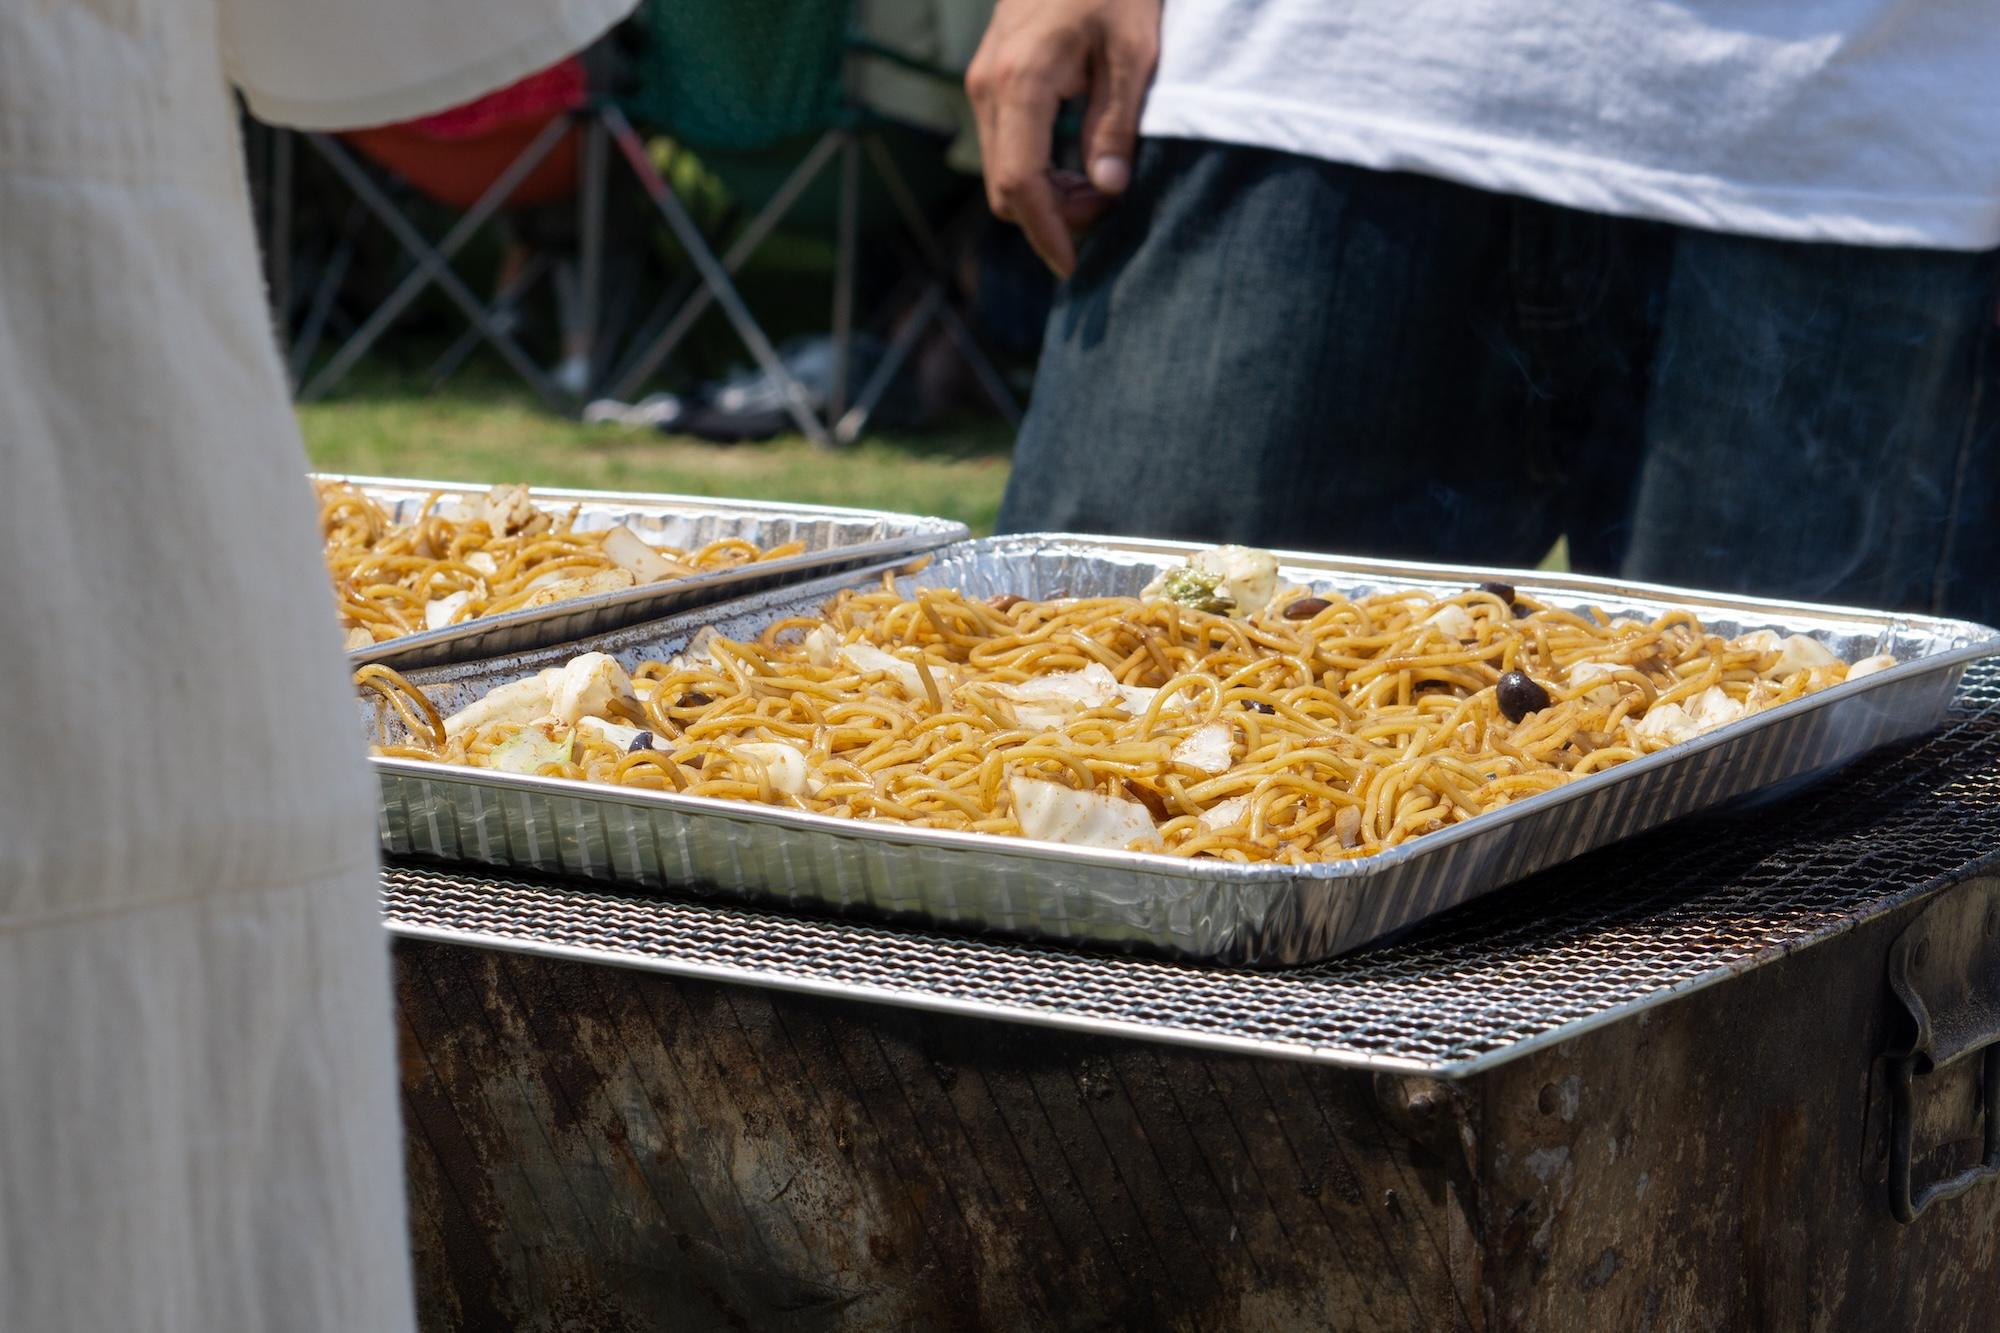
point(513, 149)
point(743, 84)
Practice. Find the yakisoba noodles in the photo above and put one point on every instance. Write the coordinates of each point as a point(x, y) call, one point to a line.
point(499, 552)
point(1217, 716)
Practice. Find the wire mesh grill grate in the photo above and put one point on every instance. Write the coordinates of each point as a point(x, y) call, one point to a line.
point(1573, 947)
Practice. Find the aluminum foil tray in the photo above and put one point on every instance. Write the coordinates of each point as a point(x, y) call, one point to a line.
point(836, 539)
point(1260, 915)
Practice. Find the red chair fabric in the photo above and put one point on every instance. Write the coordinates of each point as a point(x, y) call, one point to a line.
point(455, 155)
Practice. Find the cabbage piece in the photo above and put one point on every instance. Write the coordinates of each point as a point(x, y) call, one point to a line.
point(1051, 700)
point(869, 660)
point(506, 508)
point(1195, 588)
point(1224, 580)
point(588, 686)
point(1868, 666)
point(518, 701)
point(1207, 748)
point(1055, 813)
point(440, 611)
point(625, 549)
point(1667, 723)
point(1454, 620)
point(1225, 814)
point(618, 733)
point(528, 749)
point(1583, 673)
point(786, 765)
point(562, 590)
point(1714, 707)
point(1796, 652)
point(700, 653)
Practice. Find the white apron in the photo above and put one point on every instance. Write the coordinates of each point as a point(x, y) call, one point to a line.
point(198, 1117)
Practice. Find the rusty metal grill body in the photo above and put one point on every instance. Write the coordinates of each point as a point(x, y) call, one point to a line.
point(1646, 1089)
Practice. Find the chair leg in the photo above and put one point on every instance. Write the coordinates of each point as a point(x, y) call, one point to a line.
point(433, 263)
point(848, 429)
point(845, 244)
point(714, 278)
point(504, 302)
point(590, 223)
point(962, 337)
point(981, 366)
point(641, 368)
point(281, 225)
point(320, 309)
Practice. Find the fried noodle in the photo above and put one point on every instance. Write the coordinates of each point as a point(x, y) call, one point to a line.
point(1276, 737)
point(484, 556)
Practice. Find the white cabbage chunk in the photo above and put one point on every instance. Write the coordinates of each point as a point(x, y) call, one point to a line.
point(1227, 580)
point(625, 549)
point(1052, 812)
point(520, 701)
point(1583, 673)
point(1796, 652)
point(1051, 700)
point(1454, 620)
point(588, 686)
point(824, 648)
point(506, 508)
point(785, 764)
point(562, 590)
point(1676, 722)
point(531, 747)
point(617, 733)
point(700, 653)
point(1207, 748)
point(1868, 666)
point(439, 611)
point(1667, 723)
point(869, 660)
point(1714, 707)
point(1225, 814)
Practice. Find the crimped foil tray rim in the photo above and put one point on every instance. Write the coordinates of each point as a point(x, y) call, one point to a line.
point(931, 534)
point(1448, 573)
point(630, 499)
point(1266, 875)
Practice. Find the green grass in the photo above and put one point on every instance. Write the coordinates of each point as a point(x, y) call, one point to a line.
point(481, 429)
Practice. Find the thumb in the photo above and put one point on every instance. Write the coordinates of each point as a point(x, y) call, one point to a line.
point(1111, 123)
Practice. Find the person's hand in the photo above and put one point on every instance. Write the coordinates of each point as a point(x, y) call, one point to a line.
point(1035, 55)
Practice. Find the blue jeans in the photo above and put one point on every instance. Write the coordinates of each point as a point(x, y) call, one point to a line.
point(1265, 348)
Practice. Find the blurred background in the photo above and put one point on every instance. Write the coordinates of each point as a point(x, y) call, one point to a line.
point(733, 250)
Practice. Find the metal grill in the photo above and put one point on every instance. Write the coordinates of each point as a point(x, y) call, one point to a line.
point(1534, 964)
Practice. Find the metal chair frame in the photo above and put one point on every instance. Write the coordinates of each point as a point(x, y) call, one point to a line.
point(603, 126)
point(432, 264)
point(844, 420)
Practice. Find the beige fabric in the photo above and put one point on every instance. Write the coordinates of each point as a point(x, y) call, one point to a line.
point(941, 33)
point(197, 1111)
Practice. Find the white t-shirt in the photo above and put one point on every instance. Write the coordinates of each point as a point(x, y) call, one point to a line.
point(1874, 122)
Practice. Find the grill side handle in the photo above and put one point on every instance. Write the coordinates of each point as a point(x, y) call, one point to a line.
point(1944, 971)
